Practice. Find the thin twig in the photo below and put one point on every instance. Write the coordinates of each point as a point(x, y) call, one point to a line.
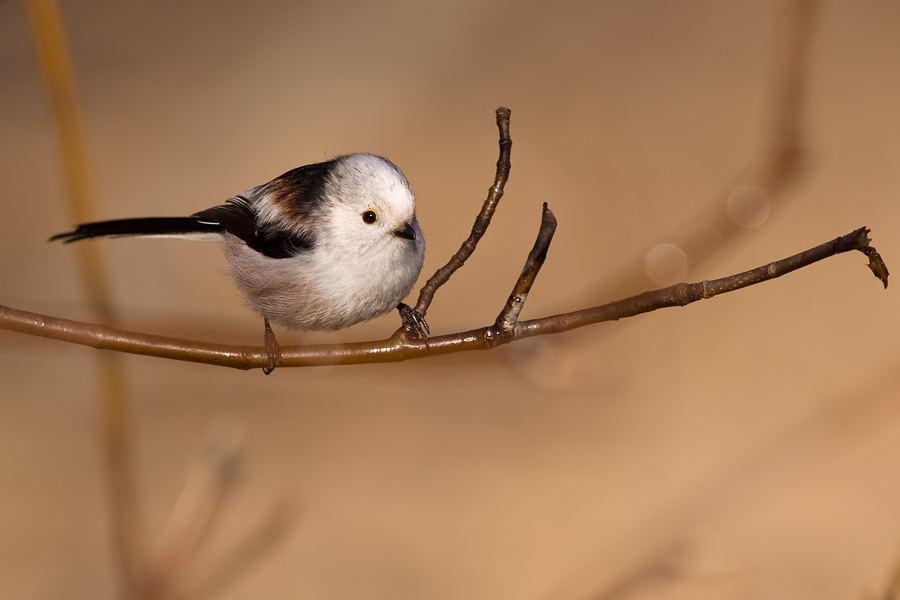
point(393, 349)
point(682, 294)
point(509, 316)
point(426, 295)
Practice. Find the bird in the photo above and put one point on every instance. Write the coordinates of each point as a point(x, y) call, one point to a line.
point(319, 248)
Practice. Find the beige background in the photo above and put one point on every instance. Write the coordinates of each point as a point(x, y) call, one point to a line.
point(753, 439)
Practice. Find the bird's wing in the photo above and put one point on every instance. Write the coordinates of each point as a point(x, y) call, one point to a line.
point(238, 217)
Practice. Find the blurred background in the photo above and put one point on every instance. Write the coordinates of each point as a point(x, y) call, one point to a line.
point(742, 447)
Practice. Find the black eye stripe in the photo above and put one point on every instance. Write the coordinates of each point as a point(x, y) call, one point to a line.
point(369, 217)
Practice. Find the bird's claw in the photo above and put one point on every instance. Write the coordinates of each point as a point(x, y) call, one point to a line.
point(273, 350)
point(413, 320)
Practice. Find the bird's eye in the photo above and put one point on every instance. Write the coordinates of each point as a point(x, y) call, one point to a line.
point(369, 217)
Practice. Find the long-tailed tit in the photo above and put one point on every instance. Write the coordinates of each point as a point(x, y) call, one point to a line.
point(321, 247)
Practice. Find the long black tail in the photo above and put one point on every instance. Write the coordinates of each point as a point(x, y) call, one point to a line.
point(149, 226)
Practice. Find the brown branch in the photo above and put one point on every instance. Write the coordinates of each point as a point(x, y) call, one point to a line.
point(507, 328)
point(682, 294)
point(395, 349)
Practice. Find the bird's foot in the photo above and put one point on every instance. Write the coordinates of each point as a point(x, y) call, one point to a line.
point(273, 350)
point(413, 320)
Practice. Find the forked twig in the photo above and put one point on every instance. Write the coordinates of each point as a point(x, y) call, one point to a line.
point(172, 572)
point(192, 518)
point(264, 537)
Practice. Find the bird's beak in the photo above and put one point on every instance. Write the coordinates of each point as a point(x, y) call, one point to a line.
point(406, 232)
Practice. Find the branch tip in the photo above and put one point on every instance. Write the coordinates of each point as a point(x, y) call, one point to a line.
point(862, 242)
point(877, 265)
point(509, 316)
point(548, 217)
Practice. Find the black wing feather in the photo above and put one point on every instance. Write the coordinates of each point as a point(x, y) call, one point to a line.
point(146, 226)
point(238, 218)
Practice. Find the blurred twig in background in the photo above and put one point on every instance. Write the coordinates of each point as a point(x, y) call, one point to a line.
point(748, 202)
point(206, 489)
point(53, 54)
point(892, 589)
point(208, 484)
point(727, 218)
point(838, 426)
point(255, 544)
point(198, 505)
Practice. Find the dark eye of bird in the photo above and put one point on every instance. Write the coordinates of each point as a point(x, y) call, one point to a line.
point(369, 217)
